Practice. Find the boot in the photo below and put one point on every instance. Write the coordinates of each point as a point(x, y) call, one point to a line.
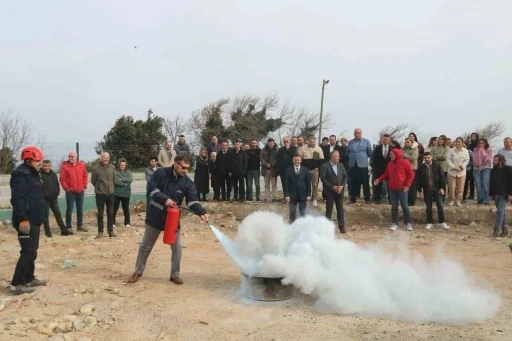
point(65, 232)
point(504, 232)
point(496, 232)
point(48, 233)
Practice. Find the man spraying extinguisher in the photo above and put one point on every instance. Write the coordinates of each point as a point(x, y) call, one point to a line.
point(167, 188)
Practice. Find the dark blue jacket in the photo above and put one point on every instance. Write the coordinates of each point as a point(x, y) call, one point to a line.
point(164, 184)
point(27, 198)
point(298, 188)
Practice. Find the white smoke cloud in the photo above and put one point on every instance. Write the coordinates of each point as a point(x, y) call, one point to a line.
point(348, 279)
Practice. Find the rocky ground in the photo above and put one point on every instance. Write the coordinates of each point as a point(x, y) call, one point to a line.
point(87, 297)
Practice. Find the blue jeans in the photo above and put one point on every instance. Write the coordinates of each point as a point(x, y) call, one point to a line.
point(71, 198)
point(395, 197)
point(482, 181)
point(501, 203)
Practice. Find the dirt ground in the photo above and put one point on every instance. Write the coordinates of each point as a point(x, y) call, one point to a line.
point(208, 306)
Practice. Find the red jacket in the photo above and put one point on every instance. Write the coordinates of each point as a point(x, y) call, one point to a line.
point(73, 178)
point(399, 172)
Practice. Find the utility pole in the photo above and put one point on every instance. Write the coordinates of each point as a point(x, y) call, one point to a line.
point(324, 83)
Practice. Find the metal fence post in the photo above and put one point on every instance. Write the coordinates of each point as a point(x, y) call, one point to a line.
point(77, 151)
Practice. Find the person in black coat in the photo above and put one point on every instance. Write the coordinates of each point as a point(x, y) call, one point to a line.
point(379, 161)
point(237, 168)
point(431, 179)
point(285, 158)
point(51, 191)
point(328, 149)
point(297, 188)
point(253, 170)
point(214, 174)
point(201, 176)
point(500, 191)
point(28, 205)
point(223, 159)
point(334, 179)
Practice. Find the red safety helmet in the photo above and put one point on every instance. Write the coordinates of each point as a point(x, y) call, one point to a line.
point(31, 153)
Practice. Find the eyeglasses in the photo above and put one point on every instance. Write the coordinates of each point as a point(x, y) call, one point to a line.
point(286, 141)
point(71, 156)
point(184, 168)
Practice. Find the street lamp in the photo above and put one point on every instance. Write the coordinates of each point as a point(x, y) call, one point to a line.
point(324, 83)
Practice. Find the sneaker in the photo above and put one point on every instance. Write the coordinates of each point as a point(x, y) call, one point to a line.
point(444, 226)
point(428, 227)
point(451, 203)
point(112, 235)
point(409, 227)
point(48, 234)
point(99, 235)
point(70, 231)
point(458, 204)
point(393, 227)
point(127, 226)
point(21, 289)
point(37, 283)
point(66, 233)
point(315, 203)
point(82, 229)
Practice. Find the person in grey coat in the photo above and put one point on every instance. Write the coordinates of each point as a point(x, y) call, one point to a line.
point(181, 147)
point(334, 179)
point(297, 188)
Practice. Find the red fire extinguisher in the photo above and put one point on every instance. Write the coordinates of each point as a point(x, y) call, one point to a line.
point(171, 225)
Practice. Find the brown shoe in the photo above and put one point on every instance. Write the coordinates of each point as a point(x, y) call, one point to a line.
point(177, 280)
point(133, 278)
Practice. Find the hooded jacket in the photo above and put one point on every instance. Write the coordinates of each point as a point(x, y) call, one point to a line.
point(399, 173)
point(73, 178)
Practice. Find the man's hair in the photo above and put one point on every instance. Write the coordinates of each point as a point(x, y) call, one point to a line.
point(224, 140)
point(153, 158)
point(297, 155)
point(334, 151)
point(182, 136)
point(45, 162)
point(386, 135)
point(253, 139)
point(427, 154)
point(237, 141)
point(325, 138)
point(184, 158)
point(270, 139)
point(333, 136)
point(295, 137)
point(122, 160)
point(311, 137)
point(168, 141)
point(407, 139)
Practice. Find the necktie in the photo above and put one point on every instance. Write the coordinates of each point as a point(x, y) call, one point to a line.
point(385, 151)
point(297, 171)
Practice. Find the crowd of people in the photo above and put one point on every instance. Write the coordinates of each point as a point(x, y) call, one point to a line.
point(399, 175)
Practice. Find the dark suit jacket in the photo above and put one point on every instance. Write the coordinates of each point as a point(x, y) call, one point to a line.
point(327, 152)
point(298, 188)
point(330, 179)
point(224, 162)
point(378, 162)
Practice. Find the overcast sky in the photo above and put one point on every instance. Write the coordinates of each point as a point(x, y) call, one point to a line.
point(71, 66)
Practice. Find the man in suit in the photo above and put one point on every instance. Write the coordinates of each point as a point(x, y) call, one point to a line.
point(358, 151)
point(334, 178)
point(166, 155)
point(223, 165)
point(332, 146)
point(297, 188)
point(379, 162)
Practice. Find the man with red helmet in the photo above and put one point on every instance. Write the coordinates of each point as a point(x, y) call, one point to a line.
point(28, 213)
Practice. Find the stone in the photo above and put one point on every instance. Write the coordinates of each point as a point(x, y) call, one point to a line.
point(69, 318)
point(472, 224)
point(84, 324)
point(46, 328)
point(21, 334)
point(68, 264)
point(57, 337)
point(68, 337)
point(71, 251)
point(64, 327)
point(2, 307)
point(86, 309)
point(79, 290)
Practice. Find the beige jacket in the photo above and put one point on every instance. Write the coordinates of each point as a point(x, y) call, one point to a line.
point(164, 160)
point(457, 159)
point(315, 153)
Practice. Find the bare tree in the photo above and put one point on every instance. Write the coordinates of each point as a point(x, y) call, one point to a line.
point(492, 131)
point(174, 127)
point(398, 132)
point(303, 121)
point(199, 118)
point(15, 132)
